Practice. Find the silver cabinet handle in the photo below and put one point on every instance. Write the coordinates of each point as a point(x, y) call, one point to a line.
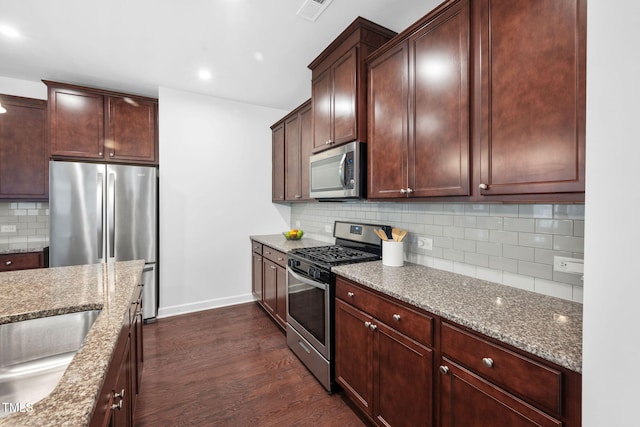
point(117, 406)
point(350, 294)
point(119, 395)
point(280, 258)
point(297, 196)
point(409, 190)
point(267, 252)
point(488, 362)
point(373, 327)
point(8, 262)
point(403, 191)
point(444, 370)
point(483, 186)
point(396, 317)
point(367, 324)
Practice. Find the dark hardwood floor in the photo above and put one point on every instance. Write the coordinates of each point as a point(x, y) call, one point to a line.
point(230, 367)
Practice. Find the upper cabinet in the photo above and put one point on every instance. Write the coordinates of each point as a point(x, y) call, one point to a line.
point(292, 145)
point(419, 111)
point(529, 97)
point(481, 100)
point(339, 85)
point(92, 124)
point(24, 159)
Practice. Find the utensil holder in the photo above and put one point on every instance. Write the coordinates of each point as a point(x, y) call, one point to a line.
point(392, 253)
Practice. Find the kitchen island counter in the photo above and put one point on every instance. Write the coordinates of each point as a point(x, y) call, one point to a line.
point(548, 327)
point(47, 292)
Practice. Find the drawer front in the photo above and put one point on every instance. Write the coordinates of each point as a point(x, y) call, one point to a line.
point(277, 257)
point(256, 247)
point(406, 321)
point(533, 381)
point(9, 262)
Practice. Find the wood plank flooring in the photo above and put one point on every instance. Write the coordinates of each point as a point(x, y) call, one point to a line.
point(230, 367)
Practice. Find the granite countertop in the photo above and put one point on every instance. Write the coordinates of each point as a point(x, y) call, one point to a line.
point(278, 241)
point(6, 249)
point(46, 292)
point(548, 327)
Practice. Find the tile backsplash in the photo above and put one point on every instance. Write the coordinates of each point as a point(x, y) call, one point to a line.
point(30, 221)
point(509, 244)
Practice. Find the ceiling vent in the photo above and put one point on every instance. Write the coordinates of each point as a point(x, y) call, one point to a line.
point(311, 9)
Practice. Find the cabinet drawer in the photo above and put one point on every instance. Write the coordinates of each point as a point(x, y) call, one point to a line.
point(23, 261)
point(278, 257)
point(533, 381)
point(405, 320)
point(256, 247)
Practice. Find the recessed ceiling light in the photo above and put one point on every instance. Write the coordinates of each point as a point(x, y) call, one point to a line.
point(204, 74)
point(8, 31)
point(258, 56)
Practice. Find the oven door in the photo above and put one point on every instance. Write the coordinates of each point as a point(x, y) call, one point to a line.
point(308, 310)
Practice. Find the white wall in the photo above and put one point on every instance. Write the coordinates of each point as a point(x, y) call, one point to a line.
point(25, 88)
point(611, 368)
point(215, 191)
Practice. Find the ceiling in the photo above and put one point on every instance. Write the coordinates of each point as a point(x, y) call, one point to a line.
point(257, 51)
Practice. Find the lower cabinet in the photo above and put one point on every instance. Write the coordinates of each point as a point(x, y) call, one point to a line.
point(21, 261)
point(117, 400)
point(386, 373)
point(401, 366)
point(269, 281)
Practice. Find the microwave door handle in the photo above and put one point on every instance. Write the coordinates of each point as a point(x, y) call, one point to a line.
point(341, 171)
point(305, 280)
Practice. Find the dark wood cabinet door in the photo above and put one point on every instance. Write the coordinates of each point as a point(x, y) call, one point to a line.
point(281, 296)
point(122, 415)
point(269, 289)
point(439, 119)
point(306, 147)
point(24, 160)
point(277, 162)
point(21, 261)
point(292, 158)
point(354, 361)
point(402, 372)
point(322, 89)
point(131, 133)
point(344, 98)
point(256, 277)
point(530, 96)
point(388, 122)
point(76, 123)
point(467, 400)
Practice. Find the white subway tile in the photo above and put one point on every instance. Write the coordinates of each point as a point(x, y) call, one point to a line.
point(569, 211)
point(526, 225)
point(518, 281)
point(481, 260)
point(489, 248)
point(503, 210)
point(464, 245)
point(465, 269)
point(555, 226)
point(443, 264)
point(518, 252)
point(567, 243)
point(489, 274)
point(543, 271)
point(578, 294)
point(476, 234)
point(504, 264)
point(455, 232)
point(500, 236)
point(453, 255)
point(543, 241)
point(535, 211)
point(559, 290)
point(490, 222)
point(545, 256)
point(477, 209)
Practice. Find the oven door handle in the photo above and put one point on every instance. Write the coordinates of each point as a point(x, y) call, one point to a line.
point(307, 281)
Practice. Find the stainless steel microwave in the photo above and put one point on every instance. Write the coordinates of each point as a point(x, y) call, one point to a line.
point(339, 172)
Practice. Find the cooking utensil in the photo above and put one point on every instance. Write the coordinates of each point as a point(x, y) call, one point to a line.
point(394, 234)
point(402, 235)
point(381, 234)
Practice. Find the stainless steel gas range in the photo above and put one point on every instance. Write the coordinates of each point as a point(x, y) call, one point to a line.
point(311, 293)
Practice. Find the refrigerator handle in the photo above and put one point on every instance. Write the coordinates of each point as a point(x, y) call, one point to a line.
point(111, 216)
point(100, 211)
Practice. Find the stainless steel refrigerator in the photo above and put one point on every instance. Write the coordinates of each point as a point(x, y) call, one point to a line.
point(103, 212)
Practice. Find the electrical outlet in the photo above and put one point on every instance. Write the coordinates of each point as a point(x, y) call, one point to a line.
point(11, 228)
point(568, 265)
point(327, 228)
point(297, 224)
point(425, 243)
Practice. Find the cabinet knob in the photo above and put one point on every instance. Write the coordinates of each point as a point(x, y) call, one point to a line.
point(409, 190)
point(483, 186)
point(280, 258)
point(350, 294)
point(488, 362)
point(403, 191)
point(100, 153)
point(273, 267)
point(111, 154)
point(367, 324)
point(8, 262)
point(117, 406)
point(396, 317)
point(297, 196)
point(119, 395)
point(373, 327)
point(444, 370)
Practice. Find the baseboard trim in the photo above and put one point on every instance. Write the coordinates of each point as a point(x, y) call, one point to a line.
point(193, 307)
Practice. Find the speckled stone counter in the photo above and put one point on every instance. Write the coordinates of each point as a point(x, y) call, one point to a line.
point(278, 241)
point(548, 327)
point(6, 249)
point(46, 292)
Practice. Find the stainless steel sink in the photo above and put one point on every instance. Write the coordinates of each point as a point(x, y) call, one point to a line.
point(35, 353)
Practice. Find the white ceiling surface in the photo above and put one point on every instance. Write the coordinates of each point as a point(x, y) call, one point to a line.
point(137, 46)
